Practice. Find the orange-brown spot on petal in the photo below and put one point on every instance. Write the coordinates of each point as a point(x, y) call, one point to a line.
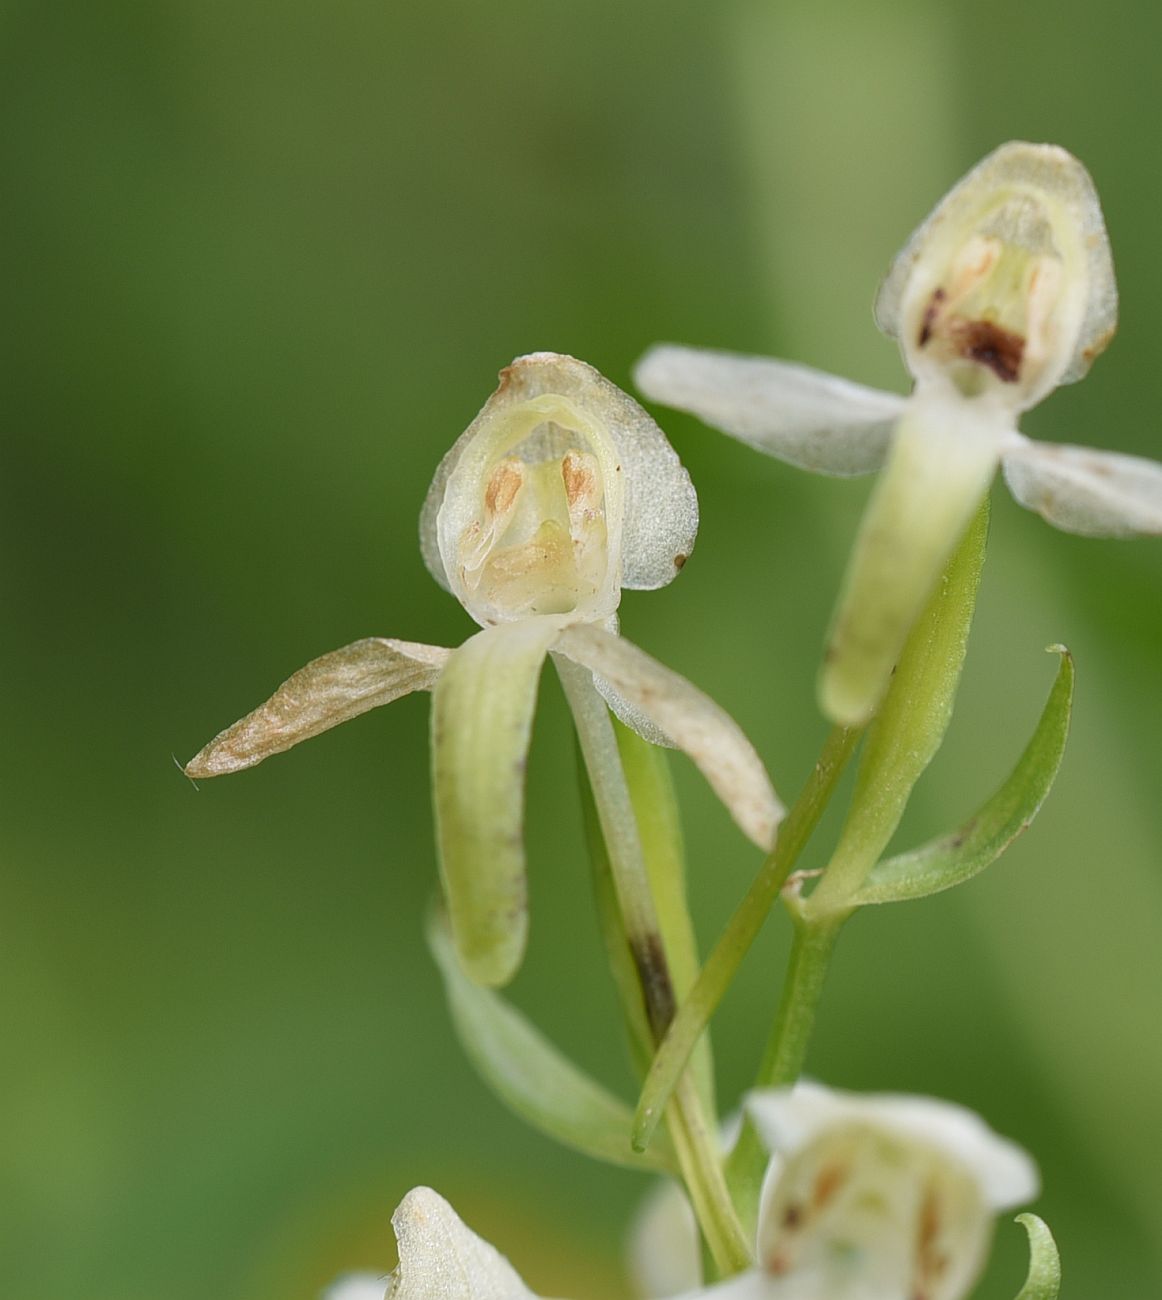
point(929, 1221)
point(778, 1263)
point(830, 1179)
point(931, 1262)
point(680, 560)
point(579, 478)
point(504, 483)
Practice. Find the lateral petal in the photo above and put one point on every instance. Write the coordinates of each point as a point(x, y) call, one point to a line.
point(329, 690)
point(810, 419)
point(695, 724)
point(1081, 490)
point(482, 713)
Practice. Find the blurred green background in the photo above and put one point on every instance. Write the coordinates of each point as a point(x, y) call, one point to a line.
point(261, 263)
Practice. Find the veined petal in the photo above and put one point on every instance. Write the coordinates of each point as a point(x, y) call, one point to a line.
point(810, 419)
point(329, 690)
point(943, 458)
point(1081, 490)
point(482, 713)
point(691, 719)
point(442, 1259)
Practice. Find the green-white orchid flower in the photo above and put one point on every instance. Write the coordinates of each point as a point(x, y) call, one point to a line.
point(1004, 292)
point(439, 1259)
point(866, 1198)
point(560, 493)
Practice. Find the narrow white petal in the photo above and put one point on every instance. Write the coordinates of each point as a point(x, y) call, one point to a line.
point(329, 690)
point(482, 713)
point(691, 719)
point(789, 1119)
point(358, 1286)
point(1081, 490)
point(805, 417)
point(944, 457)
point(442, 1259)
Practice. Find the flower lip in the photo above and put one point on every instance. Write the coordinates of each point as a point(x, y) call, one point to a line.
point(1007, 286)
point(560, 492)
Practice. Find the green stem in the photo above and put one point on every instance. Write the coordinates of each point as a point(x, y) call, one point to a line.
point(741, 930)
point(786, 1051)
point(692, 1131)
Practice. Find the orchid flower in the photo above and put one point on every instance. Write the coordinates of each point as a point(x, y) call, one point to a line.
point(1004, 292)
point(866, 1198)
point(560, 493)
point(439, 1259)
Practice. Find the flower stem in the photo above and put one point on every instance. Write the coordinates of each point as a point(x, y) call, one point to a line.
point(741, 930)
point(693, 1132)
point(786, 1051)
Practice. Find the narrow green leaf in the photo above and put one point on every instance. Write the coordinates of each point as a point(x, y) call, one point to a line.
point(482, 716)
point(531, 1076)
point(958, 857)
point(1044, 1279)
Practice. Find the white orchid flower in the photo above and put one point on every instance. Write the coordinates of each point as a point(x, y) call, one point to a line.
point(560, 493)
point(439, 1259)
point(866, 1198)
point(1004, 292)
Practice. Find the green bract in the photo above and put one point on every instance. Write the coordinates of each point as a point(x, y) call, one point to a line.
point(1004, 292)
point(560, 493)
point(1044, 1279)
